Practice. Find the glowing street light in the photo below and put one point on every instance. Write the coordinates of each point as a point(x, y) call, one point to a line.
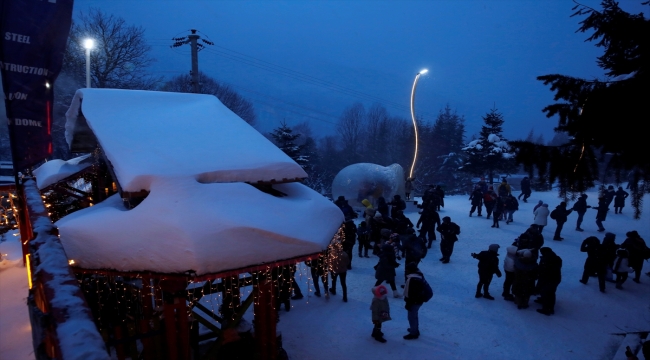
point(415, 127)
point(88, 45)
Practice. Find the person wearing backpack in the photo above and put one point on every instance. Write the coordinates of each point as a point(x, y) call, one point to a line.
point(560, 215)
point(488, 265)
point(416, 292)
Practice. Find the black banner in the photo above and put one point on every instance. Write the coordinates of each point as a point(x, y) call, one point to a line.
point(33, 36)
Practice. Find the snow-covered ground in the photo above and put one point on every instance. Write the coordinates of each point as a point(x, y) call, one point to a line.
point(454, 324)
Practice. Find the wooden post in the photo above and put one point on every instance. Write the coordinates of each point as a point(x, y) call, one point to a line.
point(266, 319)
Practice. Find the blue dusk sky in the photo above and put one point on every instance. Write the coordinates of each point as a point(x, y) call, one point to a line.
point(306, 61)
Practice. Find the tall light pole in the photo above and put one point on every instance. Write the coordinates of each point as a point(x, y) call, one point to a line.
point(88, 45)
point(415, 127)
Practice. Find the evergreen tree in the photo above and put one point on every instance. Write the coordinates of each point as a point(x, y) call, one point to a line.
point(601, 116)
point(490, 153)
point(285, 139)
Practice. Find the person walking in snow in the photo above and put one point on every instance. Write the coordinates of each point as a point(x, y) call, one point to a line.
point(385, 268)
point(509, 269)
point(550, 277)
point(380, 311)
point(608, 253)
point(560, 214)
point(619, 200)
point(637, 251)
point(525, 189)
point(338, 263)
point(363, 234)
point(477, 200)
point(621, 267)
point(601, 214)
point(488, 265)
point(497, 211)
point(429, 218)
point(594, 264)
point(449, 232)
point(541, 217)
point(609, 195)
point(489, 199)
point(511, 205)
point(413, 299)
point(580, 207)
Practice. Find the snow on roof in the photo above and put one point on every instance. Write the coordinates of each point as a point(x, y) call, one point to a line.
point(56, 170)
point(148, 134)
point(185, 225)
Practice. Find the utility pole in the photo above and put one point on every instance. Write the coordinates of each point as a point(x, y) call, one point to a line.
point(193, 40)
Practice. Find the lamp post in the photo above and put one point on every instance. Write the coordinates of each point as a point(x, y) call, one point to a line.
point(88, 45)
point(415, 127)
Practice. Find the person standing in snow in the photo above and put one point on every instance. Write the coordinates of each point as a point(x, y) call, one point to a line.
point(477, 200)
point(428, 219)
point(637, 251)
point(396, 204)
point(380, 311)
point(560, 215)
point(609, 195)
point(621, 267)
point(525, 189)
point(413, 299)
point(449, 232)
point(441, 197)
point(297, 293)
point(385, 268)
point(408, 187)
point(382, 207)
point(318, 270)
point(504, 188)
point(608, 253)
point(539, 203)
point(489, 199)
point(512, 205)
point(509, 269)
point(541, 217)
point(488, 265)
point(619, 200)
point(338, 261)
point(601, 214)
point(580, 207)
point(594, 264)
point(363, 234)
point(350, 238)
point(497, 211)
point(369, 212)
point(550, 277)
point(415, 248)
point(525, 275)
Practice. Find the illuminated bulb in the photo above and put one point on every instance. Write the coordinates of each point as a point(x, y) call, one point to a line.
point(70, 262)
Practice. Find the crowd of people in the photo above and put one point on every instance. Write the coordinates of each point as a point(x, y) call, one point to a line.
point(530, 268)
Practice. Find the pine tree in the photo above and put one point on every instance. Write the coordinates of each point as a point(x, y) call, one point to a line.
point(490, 153)
point(285, 139)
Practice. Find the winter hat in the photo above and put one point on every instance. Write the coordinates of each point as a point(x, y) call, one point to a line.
point(632, 233)
point(545, 205)
point(446, 218)
point(385, 233)
point(540, 203)
point(379, 291)
point(546, 251)
point(378, 215)
point(366, 203)
point(411, 268)
point(494, 247)
point(341, 198)
point(584, 196)
point(609, 236)
point(611, 187)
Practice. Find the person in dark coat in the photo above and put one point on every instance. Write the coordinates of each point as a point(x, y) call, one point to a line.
point(338, 265)
point(363, 235)
point(621, 267)
point(489, 198)
point(536, 238)
point(609, 195)
point(619, 200)
point(441, 196)
point(408, 187)
point(412, 298)
point(318, 270)
point(525, 189)
point(428, 197)
point(504, 188)
point(601, 214)
point(429, 218)
point(449, 232)
point(380, 308)
point(401, 223)
point(580, 207)
point(638, 251)
point(415, 248)
point(560, 215)
point(385, 268)
point(350, 231)
point(497, 211)
point(488, 265)
point(550, 276)
point(281, 276)
point(525, 275)
point(382, 207)
point(511, 205)
point(396, 204)
point(297, 293)
point(608, 253)
point(594, 264)
point(477, 200)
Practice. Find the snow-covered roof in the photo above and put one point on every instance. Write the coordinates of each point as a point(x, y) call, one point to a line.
point(57, 170)
point(137, 129)
point(194, 157)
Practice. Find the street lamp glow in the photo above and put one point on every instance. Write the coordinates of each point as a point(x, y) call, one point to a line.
point(415, 127)
point(89, 44)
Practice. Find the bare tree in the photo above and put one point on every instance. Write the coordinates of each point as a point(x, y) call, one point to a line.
point(120, 57)
point(350, 129)
point(229, 97)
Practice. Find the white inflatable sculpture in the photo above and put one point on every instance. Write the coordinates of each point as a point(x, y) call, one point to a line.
point(368, 181)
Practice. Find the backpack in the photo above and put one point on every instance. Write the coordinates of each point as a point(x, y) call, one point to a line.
point(553, 214)
point(427, 292)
